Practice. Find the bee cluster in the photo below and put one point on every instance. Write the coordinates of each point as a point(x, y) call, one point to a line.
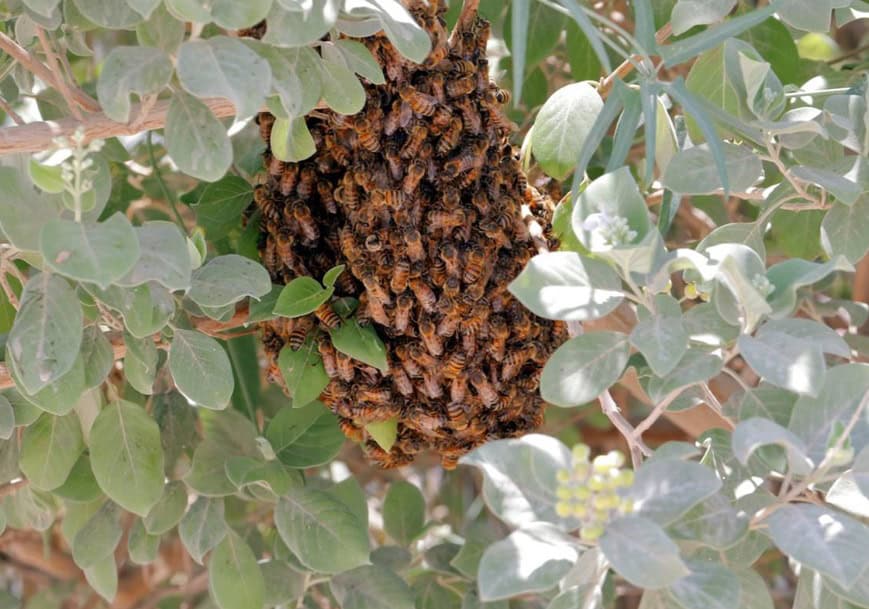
point(423, 199)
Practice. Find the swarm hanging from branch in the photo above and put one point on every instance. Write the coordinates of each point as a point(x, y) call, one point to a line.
point(421, 196)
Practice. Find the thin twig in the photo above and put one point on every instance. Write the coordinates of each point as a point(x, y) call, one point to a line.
point(628, 65)
point(849, 54)
point(7, 108)
point(167, 193)
point(57, 70)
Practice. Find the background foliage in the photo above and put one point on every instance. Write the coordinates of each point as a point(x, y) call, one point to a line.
point(713, 157)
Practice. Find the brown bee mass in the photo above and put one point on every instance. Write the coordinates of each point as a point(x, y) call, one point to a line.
point(423, 199)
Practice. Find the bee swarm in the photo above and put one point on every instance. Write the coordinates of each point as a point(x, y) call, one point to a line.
point(421, 197)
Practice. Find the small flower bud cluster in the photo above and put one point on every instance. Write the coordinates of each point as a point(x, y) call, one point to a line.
point(762, 284)
point(590, 491)
point(76, 171)
point(612, 230)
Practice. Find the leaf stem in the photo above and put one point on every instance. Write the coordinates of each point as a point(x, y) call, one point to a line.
point(170, 196)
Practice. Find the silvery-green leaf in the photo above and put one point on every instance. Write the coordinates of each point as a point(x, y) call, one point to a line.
point(371, 587)
point(693, 171)
point(519, 478)
point(695, 367)
point(562, 126)
point(750, 234)
point(203, 527)
point(168, 511)
point(201, 369)
point(713, 522)
point(126, 70)
point(141, 545)
point(846, 495)
point(402, 30)
point(24, 210)
point(207, 474)
point(291, 141)
point(583, 367)
point(790, 275)
point(111, 15)
point(403, 512)
point(531, 559)
point(705, 326)
point(283, 584)
point(661, 336)
point(49, 449)
point(164, 257)
point(767, 401)
point(664, 489)
point(103, 577)
point(361, 343)
point(161, 30)
point(640, 551)
point(44, 7)
point(841, 187)
point(58, 397)
point(196, 140)
point(756, 432)
point(845, 230)
point(97, 356)
point(99, 536)
point(792, 363)
point(298, 24)
point(45, 338)
point(824, 337)
point(708, 586)
point(319, 444)
point(815, 418)
point(822, 539)
point(234, 577)
point(567, 286)
point(227, 279)
point(303, 372)
point(342, 90)
point(7, 418)
point(360, 60)
point(295, 77)
point(146, 308)
point(814, 17)
point(225, 67)
point(688, 13)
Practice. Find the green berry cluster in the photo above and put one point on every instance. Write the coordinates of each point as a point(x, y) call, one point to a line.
point(590, 491)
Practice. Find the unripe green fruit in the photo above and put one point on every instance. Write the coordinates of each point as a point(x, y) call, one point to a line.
point(591, 532)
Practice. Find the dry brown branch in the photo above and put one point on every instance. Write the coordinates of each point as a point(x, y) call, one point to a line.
point(57, 70)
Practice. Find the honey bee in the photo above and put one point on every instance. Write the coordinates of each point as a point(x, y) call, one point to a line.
point(401, 381)
point(424, 294)
point(484, 388)
point(437, 82)
point(289, 179)
point(463, 67)
point(438, 272)
point(458, 388)
point(368, 138)
point(351, 430)
point(327, 316)
point(521, 324)
point(299, 333)
point(264, 121)
point(403, 309)
point(452, 287)
point(454, 365)
point(430, 339)
point(400, 275)
point(375, 290)
point(346, 369)
point(372, 308)
point(461, 86)
point(276, 166)
point(431, 387)
point(393, 161)
point(449, 323)
point(266, 204)
point(421, 103)
point(338, 151)
point(475, 258)
point(379, 396)
point(418, 353)
point(450, 137)
point(413, 241)
point(529, 382)
point(307, 182)
point(493, 231)
point(415, 173)
point(499, 332)
point(449, 253)
point(327, 354)
point(303, 216)
point(349, 247)
point(402, 352)
point(439, 219)
point(324, 189)
point(471, 118)
point(514, 361)
point(415, 138)
point(373, 243)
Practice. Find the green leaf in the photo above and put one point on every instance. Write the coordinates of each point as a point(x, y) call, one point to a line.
point(708, 586)
point(821, 539)
point(291, 25)
point(45, 339)
point(751, 434)
point(361, 343)
point(290, 423)
point(790, 275)
point(562, 126)
point(49, 449)
point(519, 16)
point(342, 91)
point(583, 368)
point(164, 257)
point(403, 512)
point(7, 419)
point(291, 141)
point(430, 593)
point(234, 578)
point(46, 177)
point(798, 234)
point(712, 522)
point(689, 13)
point(201, 369)
point(360, 60)
point(316, 446)
point(161, 30)
point(323, 534)
point(146, 308)
point(302, 296)
point(567, 286)
point(520, 478)
point(80, 485)
point(664, 489)
point(45, 8)
point(220, 205)
point(814, 419)
point(225, 67)
point(385, 433)
point(531, 559)
point(61, 395)
point(641, 552)
point(402, 30)
point(371, 587)
point(225, 13)
point(270, 476)
point(695, 367)
point(295, 76)
point(141, 546)
point(225, 280)
point(350, 493)
point(303, 372)
point(331, 276)
point(661, 336)
point(845, 230)
point(584, 64)
point(140, 363)
point(167, 512)
point(98, 253)
point(133, 69)
point(126, 456)
point(97, 356)
point(283, 585)
point(112, 15)
point(776, 45)
point(203, 527)
point(693, 171)
point(24, 210)
point(103, 576)
point(814, 17)
point(99, 536)
point(196, 140)
point(143, 7)
point(792, 363)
